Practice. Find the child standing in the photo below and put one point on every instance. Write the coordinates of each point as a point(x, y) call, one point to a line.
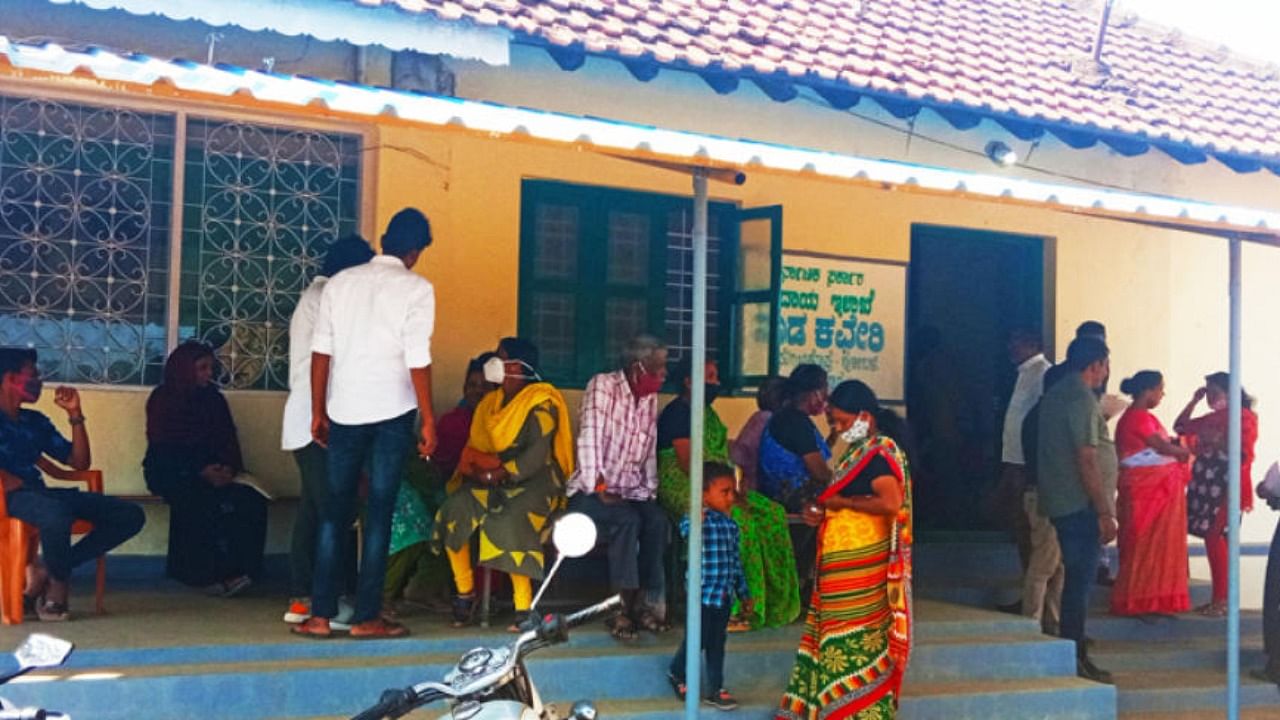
point(722, 579)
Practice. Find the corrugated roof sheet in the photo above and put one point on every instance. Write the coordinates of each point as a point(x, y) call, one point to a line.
point(357, 101)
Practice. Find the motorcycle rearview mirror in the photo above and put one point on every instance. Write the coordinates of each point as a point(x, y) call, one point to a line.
point(42, 651)
point(39, 651)
point(574, 535)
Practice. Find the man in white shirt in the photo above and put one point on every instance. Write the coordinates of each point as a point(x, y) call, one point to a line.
point(295, 435)
point(1026, 354)
point(370, 371)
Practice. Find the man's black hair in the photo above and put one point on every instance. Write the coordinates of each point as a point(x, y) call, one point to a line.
point(344, 253)
point(1085, 351)
point(13, 359)
point(1093, 329)
point(408, 232)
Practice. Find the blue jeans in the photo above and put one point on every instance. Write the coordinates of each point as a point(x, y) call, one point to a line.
point(54, 511)
point(386, 445)
point(1078, 537)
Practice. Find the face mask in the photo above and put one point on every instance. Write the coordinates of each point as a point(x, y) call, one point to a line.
point(32, 388)
point(647, 383)
point(713, 392)
point(857, 431)
point(495, 371)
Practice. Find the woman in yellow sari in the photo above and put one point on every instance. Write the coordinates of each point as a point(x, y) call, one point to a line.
point(509, 481)
point(858, 630)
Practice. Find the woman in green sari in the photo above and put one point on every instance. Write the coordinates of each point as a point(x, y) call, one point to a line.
point(765, 544)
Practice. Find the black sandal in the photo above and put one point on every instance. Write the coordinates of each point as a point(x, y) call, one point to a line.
point(50, 611)
point(650, 622)
point(621, 628)
point(464, 607)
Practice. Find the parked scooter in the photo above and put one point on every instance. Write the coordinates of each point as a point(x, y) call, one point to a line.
point(39, 651)
point(492, 683)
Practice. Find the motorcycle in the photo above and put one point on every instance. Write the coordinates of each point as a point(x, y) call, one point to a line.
point(39, 651)
point(492, 683)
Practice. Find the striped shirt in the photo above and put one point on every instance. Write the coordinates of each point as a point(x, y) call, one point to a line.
point(617, 441)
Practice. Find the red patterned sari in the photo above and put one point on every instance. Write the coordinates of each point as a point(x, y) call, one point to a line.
point(1152, 509)
point(858, 630)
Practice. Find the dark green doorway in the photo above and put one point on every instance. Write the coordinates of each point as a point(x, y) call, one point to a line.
point(967, 290)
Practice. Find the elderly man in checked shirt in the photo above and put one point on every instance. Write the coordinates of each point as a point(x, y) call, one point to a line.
point(616, 481)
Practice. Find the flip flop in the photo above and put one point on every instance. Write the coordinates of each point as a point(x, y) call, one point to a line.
point(313, 629)
point(378, 629)
point(621, 628)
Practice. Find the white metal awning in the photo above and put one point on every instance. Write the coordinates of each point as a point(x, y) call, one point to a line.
point(229, 84)
point(332, 21)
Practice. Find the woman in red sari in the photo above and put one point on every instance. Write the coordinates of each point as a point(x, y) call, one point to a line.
point(1152, 507)
point(1207, 493)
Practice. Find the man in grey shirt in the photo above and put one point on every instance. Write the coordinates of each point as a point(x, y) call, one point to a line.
point(1077, 468)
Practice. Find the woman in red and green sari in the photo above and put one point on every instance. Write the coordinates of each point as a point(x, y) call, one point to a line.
point(858, 631)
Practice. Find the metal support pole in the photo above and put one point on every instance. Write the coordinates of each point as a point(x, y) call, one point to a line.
point(697, 404)
point(1234, 410)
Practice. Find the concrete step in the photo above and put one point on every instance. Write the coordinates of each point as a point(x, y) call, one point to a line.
point(1107, 627)
point(992, 591)
point(1187, 691)
point(1175, 654)
point(1207, 713)
point(1053, 699)
point(955, 648)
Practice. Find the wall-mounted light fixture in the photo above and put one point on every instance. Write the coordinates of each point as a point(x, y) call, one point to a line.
point(1001, 154)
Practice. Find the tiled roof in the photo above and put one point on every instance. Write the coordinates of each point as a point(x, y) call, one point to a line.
point(1023, 62)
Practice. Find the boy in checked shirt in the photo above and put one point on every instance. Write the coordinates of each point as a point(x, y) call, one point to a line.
point(722, 580)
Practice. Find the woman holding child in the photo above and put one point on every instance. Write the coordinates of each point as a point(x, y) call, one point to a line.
point(858, 630)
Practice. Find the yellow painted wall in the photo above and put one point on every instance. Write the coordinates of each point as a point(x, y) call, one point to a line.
point(1162, 294)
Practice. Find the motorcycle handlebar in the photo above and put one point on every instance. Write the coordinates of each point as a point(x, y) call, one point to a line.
point(25, 714)
point(596, 612)
point(393, 704)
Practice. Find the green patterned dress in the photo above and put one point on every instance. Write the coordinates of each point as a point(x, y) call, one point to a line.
point(765, 543)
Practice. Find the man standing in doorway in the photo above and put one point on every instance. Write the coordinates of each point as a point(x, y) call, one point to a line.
point(1077, 470)
point(616, 482)
point(1027, 355)
point(370, 370)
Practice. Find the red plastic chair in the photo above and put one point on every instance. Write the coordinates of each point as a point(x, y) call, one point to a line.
point(18, 543)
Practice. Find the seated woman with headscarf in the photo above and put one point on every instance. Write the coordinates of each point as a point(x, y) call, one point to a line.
point(764, 543)
point(217, 527)
point(857, 637)
point(510, 480)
